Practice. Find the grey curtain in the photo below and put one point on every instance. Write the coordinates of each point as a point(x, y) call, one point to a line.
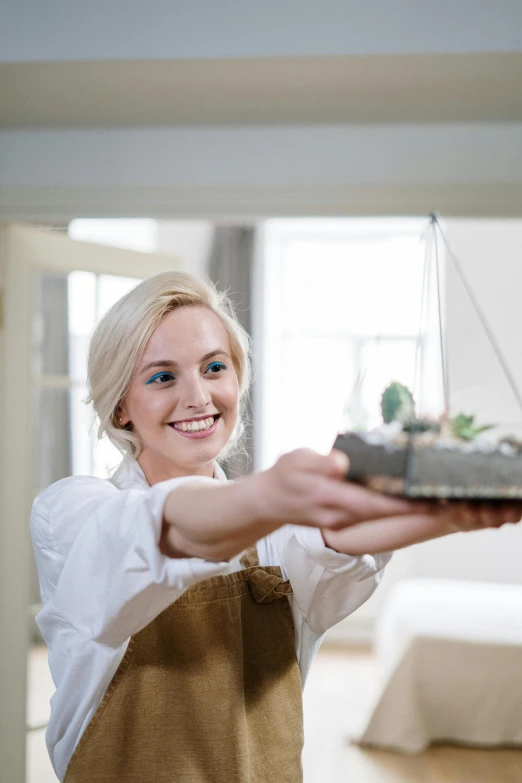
point(230, 267)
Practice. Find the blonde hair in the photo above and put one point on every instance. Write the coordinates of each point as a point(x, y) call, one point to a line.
point(119, 340)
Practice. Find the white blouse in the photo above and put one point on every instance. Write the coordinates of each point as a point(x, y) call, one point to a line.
point(103, 579)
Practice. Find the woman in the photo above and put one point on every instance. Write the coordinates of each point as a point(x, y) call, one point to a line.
point(182, 611)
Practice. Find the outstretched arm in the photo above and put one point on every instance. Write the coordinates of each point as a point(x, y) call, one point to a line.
point(302, 488)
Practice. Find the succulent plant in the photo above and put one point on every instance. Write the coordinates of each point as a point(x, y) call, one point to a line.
point(462, 427)
point(397, 404)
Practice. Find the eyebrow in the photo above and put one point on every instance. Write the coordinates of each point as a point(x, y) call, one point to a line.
point(171, 363)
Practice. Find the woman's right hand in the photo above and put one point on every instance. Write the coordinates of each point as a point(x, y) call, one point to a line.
point(307, 488)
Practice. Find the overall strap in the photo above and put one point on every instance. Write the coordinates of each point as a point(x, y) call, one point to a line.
point(250, 558)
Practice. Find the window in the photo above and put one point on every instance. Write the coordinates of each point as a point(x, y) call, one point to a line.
point(68, 308)
point(341, 318)
point(90, 296)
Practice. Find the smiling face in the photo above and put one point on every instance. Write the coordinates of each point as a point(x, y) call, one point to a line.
point(184, 397)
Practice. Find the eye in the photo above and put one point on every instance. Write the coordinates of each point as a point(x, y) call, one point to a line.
point(216, 367)
point(160, 378)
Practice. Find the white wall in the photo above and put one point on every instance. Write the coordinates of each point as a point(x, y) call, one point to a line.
point(490, 253)
point(55, 31)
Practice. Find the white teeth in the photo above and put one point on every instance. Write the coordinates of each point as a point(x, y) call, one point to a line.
point(195, 426)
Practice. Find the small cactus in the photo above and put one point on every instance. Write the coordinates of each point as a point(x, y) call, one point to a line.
point(397, 404)
point(462, 427)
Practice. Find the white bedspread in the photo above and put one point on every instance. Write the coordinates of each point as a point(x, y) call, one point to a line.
point(450, 653)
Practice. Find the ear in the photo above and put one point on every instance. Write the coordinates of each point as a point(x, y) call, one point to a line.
point(122, 417)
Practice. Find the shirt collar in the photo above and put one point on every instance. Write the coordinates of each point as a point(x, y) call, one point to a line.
point(130, 474)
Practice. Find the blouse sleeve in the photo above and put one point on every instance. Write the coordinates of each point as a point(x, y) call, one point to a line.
point(98, 558)
point(328, 585)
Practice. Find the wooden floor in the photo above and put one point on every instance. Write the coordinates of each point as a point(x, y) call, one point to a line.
point(337, 696)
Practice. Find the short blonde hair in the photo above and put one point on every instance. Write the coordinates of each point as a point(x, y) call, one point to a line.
point(121, 336)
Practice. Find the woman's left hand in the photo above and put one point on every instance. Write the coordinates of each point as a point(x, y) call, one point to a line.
point(461, 516)
point(443, 518)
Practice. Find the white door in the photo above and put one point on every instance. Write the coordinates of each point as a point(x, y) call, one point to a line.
point(52, 291)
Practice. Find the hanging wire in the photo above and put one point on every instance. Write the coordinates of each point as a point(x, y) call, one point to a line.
point(493, 340)
point(410, 452)
point(441, 331)
point(417, 362)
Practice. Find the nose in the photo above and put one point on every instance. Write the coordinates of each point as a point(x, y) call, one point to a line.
point(196, 393)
